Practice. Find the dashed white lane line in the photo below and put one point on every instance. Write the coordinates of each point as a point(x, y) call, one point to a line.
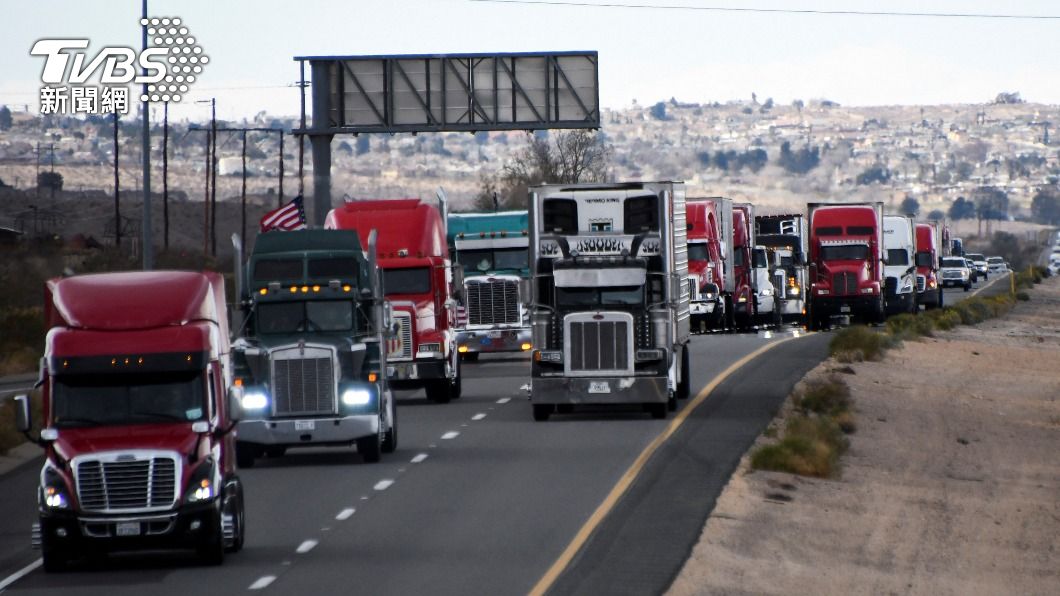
point(383, 484)
point(478, 416)
point(14, 577)
point(262, 582)
point(345, 514)
point(504, 400)
point(305, 547)
point(419, 458)
point(451, 435)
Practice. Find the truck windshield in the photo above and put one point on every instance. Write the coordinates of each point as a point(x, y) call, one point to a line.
point(481, 261)
point(698, 252)
point(617, 296)
point(416, 280)
point(845, 252)
point(293, 317)
point(135, 398)
point(897, 256)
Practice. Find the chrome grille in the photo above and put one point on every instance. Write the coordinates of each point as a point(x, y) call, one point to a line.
point(693, 288)
point(127, 482)
point(492, 302)
point(599, 343)
point(844, 284)
point(303, 384)
point(400, 347)
point(921, 283)
point(952, 274)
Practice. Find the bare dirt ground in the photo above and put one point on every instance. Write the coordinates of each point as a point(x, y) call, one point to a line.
point(951, 484)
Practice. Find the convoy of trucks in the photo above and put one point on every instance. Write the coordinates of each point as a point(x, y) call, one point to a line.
point(148, 411)
point(491, 251)
point(310, 354)
point(418, 281)
point(609, 296)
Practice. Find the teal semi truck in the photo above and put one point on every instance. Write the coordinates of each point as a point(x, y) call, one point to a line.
point(491, 251)
point(310, 353)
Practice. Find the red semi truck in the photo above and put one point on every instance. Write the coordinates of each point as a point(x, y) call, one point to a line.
point(707, 262)
point(928, 252)
point(138, 418)
point(846, 262)
point(743, 296)
point(417, 280)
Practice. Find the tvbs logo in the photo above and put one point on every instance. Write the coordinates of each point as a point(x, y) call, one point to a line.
point(168, 67)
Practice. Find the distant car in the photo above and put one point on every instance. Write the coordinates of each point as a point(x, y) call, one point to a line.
point(1054, 268)
point(955, 272)
point(981, 266)
point(996, 265)
point(971, 267)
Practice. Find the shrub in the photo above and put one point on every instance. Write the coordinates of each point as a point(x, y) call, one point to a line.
point(943, 319)
point(810, 447)
point(907, 326)
point(829, 397)
point(858, 343)
point(1023, 296)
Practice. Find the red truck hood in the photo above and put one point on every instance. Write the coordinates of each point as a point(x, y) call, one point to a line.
point(165, 437)
point(857, 267)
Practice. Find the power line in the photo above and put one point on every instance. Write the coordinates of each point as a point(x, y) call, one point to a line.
point(802, 11)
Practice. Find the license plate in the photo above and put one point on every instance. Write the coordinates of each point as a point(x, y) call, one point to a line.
point(305, 424)
point(496, 334)
point(127, 529)
point(844, 309)
point(599, 387)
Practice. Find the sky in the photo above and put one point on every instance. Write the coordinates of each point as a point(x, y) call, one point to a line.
point(646, 55)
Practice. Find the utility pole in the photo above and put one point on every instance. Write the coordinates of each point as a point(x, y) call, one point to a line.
point(117, 208)
point(213, 179)
point(280, 204)
point(38, 170)
point(165, 175)
point(148, 248)
point(243, 193)
point(206, 203)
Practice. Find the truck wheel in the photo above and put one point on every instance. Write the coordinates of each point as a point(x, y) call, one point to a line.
point(730, 315)
point(967, 286)
point(212, 550)
point(232, 523)
point(671, 402)
point(275, 451)
point(683, 387)
point(56, 559)
point(880, 316)
point(390, 439)
point(245, 455)
point(370, 448)
point(439, 391)
point(542, 412)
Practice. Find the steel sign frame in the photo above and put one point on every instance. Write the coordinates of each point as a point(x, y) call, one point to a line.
point(452, 92)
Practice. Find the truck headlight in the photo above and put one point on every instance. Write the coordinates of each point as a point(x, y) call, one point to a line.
point(907, 288)
point(201, 484)
point(356, 397)
point(793, 290)
point(868, 290)
point(255, 400)
point(767, 292)
point(53, 489)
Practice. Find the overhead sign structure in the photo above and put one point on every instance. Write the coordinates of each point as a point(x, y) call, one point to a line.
point(442, 93)
point(455, 92)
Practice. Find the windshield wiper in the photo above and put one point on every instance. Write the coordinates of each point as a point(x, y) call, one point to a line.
point(63, 422)
point(162, 416)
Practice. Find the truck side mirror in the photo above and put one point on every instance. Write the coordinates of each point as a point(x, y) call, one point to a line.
point(235, 403)
point(23, 422)
point(524, 292)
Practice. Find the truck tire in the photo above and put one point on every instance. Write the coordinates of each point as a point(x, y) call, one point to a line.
point(390, 438)
point(730, 315)
point(671, 402)
point(370, 448)
point(457, 385)
point(55, 559)
point(245, 455)
point(542, 412)
point(684, 385)
point(941, 294)
point(967, 286)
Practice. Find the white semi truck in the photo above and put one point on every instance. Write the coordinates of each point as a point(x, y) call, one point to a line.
point(609, 292)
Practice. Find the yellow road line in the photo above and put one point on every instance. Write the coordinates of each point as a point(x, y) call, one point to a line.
point(634, 470)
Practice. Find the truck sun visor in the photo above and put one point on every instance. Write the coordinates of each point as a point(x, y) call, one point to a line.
point(594, 278)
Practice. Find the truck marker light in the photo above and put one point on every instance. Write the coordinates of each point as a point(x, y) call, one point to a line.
point(462, 349)
point(187, 358)
point(66, 363)
point(126, 362)
point(346, 288)
point(372, 377)
point(239, 382)
point(140, 360)
point(305, 289)
point(294, 289)
point(316, 289)
point(263, 291)
point(526, 346)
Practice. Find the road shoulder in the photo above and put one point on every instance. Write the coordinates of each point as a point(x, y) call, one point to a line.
point(949, 487)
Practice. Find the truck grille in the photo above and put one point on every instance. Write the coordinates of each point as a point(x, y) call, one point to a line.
point(400, 346)
point(921, 283)
point(127, 482)
point(599, 344)
point(844, 284)
point(303, 382)
point(492, 302)
point(946, 274)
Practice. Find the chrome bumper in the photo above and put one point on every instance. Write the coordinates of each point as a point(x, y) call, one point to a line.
point(702, 308)
point(606, 390)
point(296, 432)
point(493, 340)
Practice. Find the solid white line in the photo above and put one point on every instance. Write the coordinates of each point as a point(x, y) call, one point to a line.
point(305, 547)
point(21, 573)
point(504, 400)
point(383, 484)
point(345, 514)
point(450, 435)
point(262, 582)
point(419, 458)
point(478, 416)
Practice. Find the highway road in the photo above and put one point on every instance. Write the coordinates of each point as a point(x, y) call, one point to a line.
point(478, 498)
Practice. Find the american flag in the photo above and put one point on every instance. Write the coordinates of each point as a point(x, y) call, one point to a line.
point(288, 217)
